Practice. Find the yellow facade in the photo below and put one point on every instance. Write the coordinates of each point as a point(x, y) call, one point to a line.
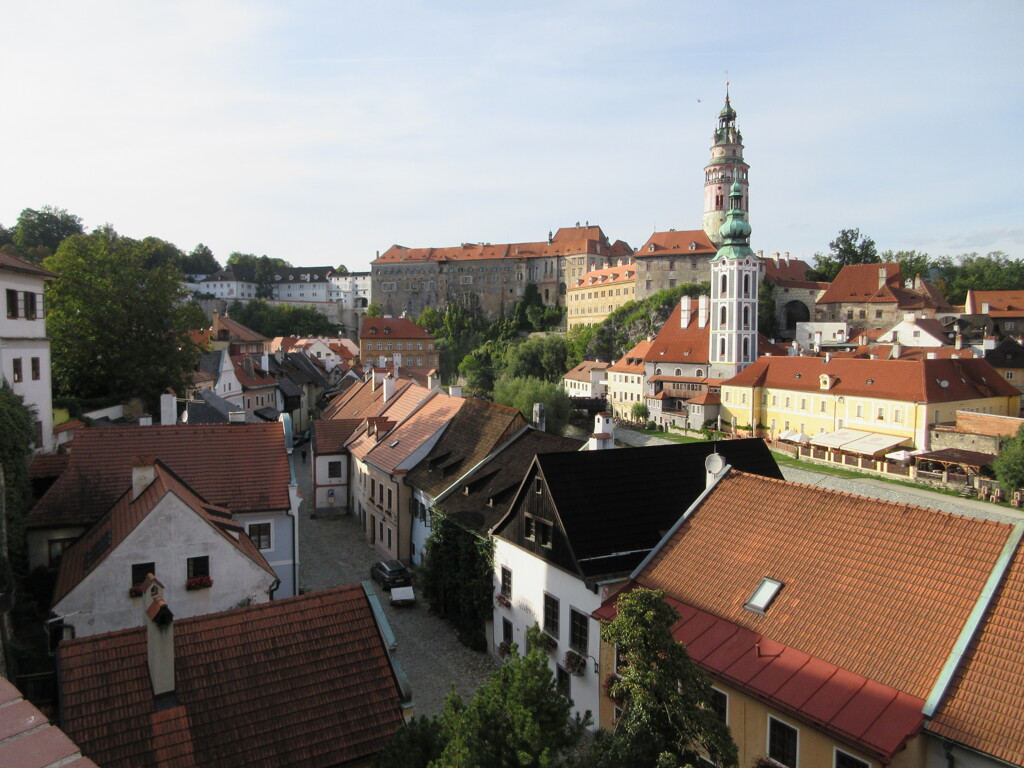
point(624, 391)
point(597, 295)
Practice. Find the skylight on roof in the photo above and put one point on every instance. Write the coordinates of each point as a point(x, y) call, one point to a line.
point(763, 595)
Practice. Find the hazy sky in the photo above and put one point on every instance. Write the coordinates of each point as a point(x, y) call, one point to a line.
point(322, 132)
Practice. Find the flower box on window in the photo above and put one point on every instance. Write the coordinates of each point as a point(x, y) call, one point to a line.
point(503, 600)
point(609, 682)
point(199, 582)
point(574, 663)
point(135, 590)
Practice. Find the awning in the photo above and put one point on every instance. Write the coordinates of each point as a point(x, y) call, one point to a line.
point(794, 436)
point(788, 434)
point(901, 455)
point(839, 438)
point(954, 456)
point(872, 445)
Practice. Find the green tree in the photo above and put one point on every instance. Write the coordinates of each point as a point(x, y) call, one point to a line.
point(849, 247)
point(911, 263)
point(666, 715)
point(541, 356)
point(200, 261)
point(456, 579)
point(993, 272)
point(374, 309)
point(1009, 464)
point(117, 329)
point(16, 439)
point(767, 319)
point(483, 366)
point(522, 393)
point(639, 412)
point(45, 228)
point(282, 320)
point(341, 269)
point(577, 342)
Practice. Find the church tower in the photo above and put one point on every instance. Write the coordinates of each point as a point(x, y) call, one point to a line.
point(726, 167)
point(736, 274)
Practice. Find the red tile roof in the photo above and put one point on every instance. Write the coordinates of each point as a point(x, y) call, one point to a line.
point(51, 465)
point(330, 436)
point(858, 283)
point(1011, 302)
point(983, 706)
point(381, 328)
point(422, 424)
point(632, 361)
point(244, 466)
point(28, 740)
point(582, 371)
point(567, 240)
point(604, 277)
point(125, 516)
point(300, 681)
point(787, 271)
point(362, 400)
point(875, 589)
point(916, 381)
point(688, 342)
point(249, 373)
point(673, 243)
point(236, 331)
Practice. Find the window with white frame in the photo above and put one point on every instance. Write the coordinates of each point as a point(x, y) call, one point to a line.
point(846, 760)
point(506, 582)
point(783, 742)
point(261, 535)
point(551, 612)
point(579, 631)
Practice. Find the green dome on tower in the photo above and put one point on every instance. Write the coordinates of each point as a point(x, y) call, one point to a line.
point(736, 230)
point(727, 113)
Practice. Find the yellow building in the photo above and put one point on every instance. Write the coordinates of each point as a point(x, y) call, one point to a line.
point(599, 293)
point(897, 399)
point(625, 382)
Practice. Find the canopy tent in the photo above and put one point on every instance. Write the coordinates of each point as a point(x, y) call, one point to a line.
point(872, 445)
point(839, 438)
point(794, 436)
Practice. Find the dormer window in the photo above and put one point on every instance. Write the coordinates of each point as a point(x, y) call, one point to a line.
point(763, 596)
point(650, 248)
point(693, 246)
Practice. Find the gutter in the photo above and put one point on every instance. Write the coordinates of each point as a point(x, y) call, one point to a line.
point(401, 679)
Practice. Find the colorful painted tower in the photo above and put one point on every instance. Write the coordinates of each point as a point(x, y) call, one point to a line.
point(726, 167)
point(736, 274)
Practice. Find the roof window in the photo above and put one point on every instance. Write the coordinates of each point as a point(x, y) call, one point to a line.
point(763, 595)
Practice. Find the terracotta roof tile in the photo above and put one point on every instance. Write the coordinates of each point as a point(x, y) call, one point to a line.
point(330, 436)
point(237, 331)
point(998, 301)
point(876, 588)
point(392, 328)
point(582, 371)
point(983, 706)
point(300, 681)
point(633, 360)
point(859, 283)
point(241, 465)
point(565, 241)
point(677, 244)
point(607, 276)
point(413, 431)
point(28, 740)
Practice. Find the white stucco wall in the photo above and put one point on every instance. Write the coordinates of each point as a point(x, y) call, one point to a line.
point(169, 535)
point(531, 578)
point(323, 484)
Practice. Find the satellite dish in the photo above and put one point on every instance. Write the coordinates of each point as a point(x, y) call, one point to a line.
point(714, 464)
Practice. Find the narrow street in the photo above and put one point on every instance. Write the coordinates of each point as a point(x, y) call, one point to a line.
point(333, 551)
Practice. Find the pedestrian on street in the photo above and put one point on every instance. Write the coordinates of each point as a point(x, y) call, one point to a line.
point(303, 455)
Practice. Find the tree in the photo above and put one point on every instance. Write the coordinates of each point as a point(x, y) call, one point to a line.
point(1009, 464)
point(522, 393)
point(849, 247)
point(117, 329)
point(373, 309)
point(16, 439)
point(639, 412)
point(993, 272)
point(911, 263)
point(666, 715)
point(283, 320)
point(767, 318)
point(456, 576)
point(541, 356)
point(200, 261)
point(47, 228)
point(341, 269)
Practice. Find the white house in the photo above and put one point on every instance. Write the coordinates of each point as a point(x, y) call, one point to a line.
point(586, 380)
point(160, 526)
point(232, 284)
point(914, 331)
point(24, 348)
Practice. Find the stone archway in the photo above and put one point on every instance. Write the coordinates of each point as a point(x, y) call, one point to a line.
point(793, 312)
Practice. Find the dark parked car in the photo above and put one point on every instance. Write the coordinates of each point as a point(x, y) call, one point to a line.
point(390, 573)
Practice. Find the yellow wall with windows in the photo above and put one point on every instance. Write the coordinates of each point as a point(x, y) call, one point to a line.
point(591, 304)
point(624, 390)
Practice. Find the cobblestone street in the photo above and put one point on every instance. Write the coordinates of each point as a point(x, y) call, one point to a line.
point(333, 551)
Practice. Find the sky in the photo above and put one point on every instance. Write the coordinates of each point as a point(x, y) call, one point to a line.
point(324, 132)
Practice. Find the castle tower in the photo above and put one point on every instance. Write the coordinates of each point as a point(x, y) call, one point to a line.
point(726, 167)
point(736, 274)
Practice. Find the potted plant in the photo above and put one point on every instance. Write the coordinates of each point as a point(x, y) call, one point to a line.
point(503, 600)
point(199, 582)
point(546, 641)
point(763, 762)
point(504, 649)
point(135, 590)
point(574, 663)
point(609, 684)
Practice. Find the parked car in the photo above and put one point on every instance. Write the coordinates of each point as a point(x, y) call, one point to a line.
point(391, 573)
point(403, 596)
point(300, 439)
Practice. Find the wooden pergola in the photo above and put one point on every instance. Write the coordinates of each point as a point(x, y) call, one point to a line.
point(971, 461)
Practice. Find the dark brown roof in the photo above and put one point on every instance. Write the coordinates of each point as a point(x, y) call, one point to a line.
point(301, 681)
point(241, 466)
point(86, 554)
point(958, 456)
point(237, 331)
point(13, 263)
point(28, 740)
point(476, 430)
point(492, 486)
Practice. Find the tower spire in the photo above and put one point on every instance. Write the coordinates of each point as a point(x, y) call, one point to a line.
point(726, 166)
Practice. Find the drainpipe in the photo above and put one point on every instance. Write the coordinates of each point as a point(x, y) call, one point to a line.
point(947, 749)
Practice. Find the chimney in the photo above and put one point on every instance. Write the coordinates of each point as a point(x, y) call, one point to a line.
point(143, 473)
point(932, 355)
point(145, 420)
point(786, 257)
point(984, 307)
point(775, 258)
point(817, 341)
point(389, 388)
point(236, 417)
point(897, 350)
point(684, 315)
point(958, 342)
point(160, 646)
point(828, 357)
point(433, 380)
point(539, 421)
point(881, 277)
point(702, 311)
point(168, 409)
point(455, 391)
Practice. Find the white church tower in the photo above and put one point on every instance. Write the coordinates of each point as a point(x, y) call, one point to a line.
point(736, 274)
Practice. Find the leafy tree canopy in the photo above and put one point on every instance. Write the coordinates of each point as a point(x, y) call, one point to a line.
point(16, 440)
point(45, 228)
point(341, 269)
point(373, 309)
point(666, 714)
point(117, 321)
point(281, 320)
point(200, 261)
point(517, 719)
point(523, 392)
point(251, 260)
point(993, 272)
point(1009, 464)
point(849, 247)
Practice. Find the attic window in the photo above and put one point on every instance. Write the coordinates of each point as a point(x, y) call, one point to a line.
point(871, 381)
point(394, 444)
point(799, 375)
point(373, 329)
point(763, 596)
